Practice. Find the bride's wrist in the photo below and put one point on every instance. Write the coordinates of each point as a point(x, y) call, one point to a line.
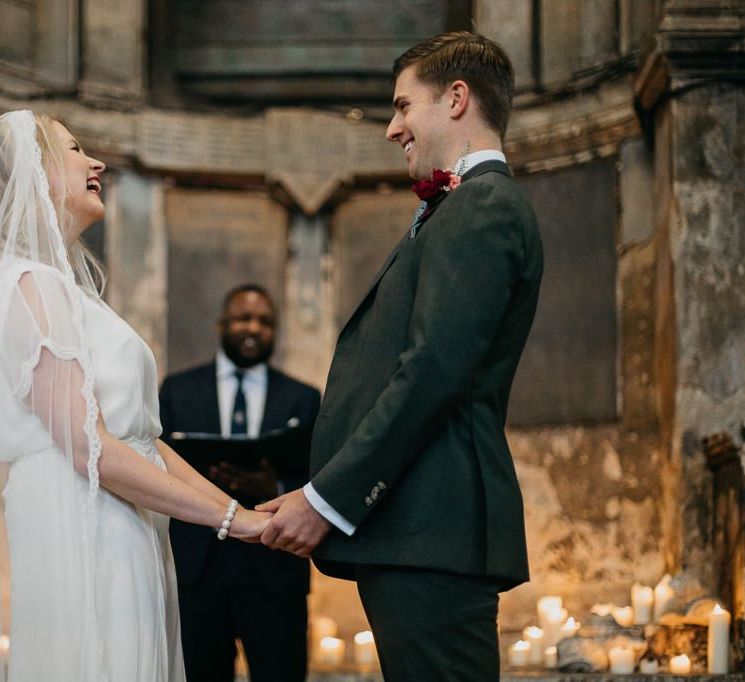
point(227, 520)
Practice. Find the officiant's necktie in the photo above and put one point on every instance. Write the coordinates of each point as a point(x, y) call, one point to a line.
point(239, 420)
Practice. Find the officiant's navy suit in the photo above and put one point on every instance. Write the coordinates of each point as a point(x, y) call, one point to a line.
point(268, 588)
point(409, 445)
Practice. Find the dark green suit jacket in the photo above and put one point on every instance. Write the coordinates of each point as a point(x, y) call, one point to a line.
point(409, 444)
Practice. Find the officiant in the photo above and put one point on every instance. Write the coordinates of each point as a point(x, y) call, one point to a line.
point(230, 590)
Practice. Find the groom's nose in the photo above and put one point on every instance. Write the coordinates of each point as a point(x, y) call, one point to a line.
point(394, 129)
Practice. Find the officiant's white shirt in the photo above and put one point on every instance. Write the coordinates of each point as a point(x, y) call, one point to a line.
point(463, 165)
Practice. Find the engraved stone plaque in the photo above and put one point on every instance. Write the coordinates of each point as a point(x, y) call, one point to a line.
point(185, 142)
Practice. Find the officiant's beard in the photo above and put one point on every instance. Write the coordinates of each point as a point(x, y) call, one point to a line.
point(244, 357)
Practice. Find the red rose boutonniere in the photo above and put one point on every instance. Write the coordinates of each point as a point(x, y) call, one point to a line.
point(442, 181)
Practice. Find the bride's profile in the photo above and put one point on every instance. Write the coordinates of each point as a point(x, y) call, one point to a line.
point(89, 485)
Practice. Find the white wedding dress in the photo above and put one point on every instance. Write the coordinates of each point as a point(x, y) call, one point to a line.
point(93, 592)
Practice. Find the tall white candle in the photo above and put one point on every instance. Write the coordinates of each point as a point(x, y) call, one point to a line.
point(365, 653)
point(548, 604)
point(642, 600)
point(680, 665)
point(622, 660)
point(534, 637)
point(519, 653)
point(552, 629)
point(717, 649)
point(663, 593)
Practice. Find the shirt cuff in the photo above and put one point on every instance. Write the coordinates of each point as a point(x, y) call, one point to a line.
point(327, 511)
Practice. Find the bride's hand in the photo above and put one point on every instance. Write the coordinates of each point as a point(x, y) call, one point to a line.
point(249, 525)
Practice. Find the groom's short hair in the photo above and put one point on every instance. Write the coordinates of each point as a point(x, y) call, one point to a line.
point(470, 57)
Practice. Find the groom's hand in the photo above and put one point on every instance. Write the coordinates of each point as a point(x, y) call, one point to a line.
point(296, 526)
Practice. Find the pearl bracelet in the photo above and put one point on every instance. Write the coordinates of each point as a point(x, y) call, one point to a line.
point(222, 533)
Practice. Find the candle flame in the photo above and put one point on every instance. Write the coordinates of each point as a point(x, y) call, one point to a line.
point(522, 645)
point(718, 609)
point(363, 637)
point(533, 632)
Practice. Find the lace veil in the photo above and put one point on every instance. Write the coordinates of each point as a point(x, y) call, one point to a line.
point(49, 446)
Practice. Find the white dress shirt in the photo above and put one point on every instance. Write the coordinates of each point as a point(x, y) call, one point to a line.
point(254, 388)
point(462, 166)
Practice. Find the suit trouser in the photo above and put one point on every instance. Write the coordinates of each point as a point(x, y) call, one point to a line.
point(432, 625)
point(226, 603)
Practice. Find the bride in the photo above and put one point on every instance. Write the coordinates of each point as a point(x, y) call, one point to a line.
point(89, 485)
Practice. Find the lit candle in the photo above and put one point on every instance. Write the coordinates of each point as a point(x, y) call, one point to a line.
point(519, 653)
point(649, 666)
point(663, 593)
point(624, 616)
point(717, 649)
point(642, 600)
point(550, 657)
point(534, 637)
point(320, 627)
point(331, 651)
point(680, 665)
point(552, 631)
point(4, 647)
point(364, 649)
point(622, 660)
point(548, 604)
point(569, 629)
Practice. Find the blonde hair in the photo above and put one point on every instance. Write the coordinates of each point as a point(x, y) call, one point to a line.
point(89, 272)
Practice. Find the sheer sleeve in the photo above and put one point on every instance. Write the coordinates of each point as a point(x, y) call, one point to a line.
point(47, 364)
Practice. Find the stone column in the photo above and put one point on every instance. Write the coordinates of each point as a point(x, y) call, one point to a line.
point(693, 107)
point(137, 259)
point(114, 50)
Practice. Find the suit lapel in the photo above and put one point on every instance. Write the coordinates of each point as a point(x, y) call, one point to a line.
point(478, 169)
point(207, 399)
point(273, 405)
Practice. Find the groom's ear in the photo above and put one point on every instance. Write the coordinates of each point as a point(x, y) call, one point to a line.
point(459, 95)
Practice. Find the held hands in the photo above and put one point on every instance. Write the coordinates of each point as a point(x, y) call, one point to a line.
point(295, 527)
point(248, 525)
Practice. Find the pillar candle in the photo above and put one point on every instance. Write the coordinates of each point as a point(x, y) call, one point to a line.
point(331, 651)
point(649, 666)
point(365, 653)
point(550, 657)
point(624, 616)
point(534, 637)
point(680, 665)
point(622, 660)
point(552, 629)
point(320, 627)
point(642, 600)
point(519, 653)
point(663, 593)
point(548, 604)
point(717, 650)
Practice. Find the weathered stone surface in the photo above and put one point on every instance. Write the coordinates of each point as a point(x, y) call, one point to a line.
point(217, 240)
point(137, 258)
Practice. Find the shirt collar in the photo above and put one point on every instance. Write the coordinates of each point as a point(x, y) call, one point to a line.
point(226, 367)
point(468, 161)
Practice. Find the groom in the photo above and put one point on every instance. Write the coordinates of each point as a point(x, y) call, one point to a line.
point(413, 492)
